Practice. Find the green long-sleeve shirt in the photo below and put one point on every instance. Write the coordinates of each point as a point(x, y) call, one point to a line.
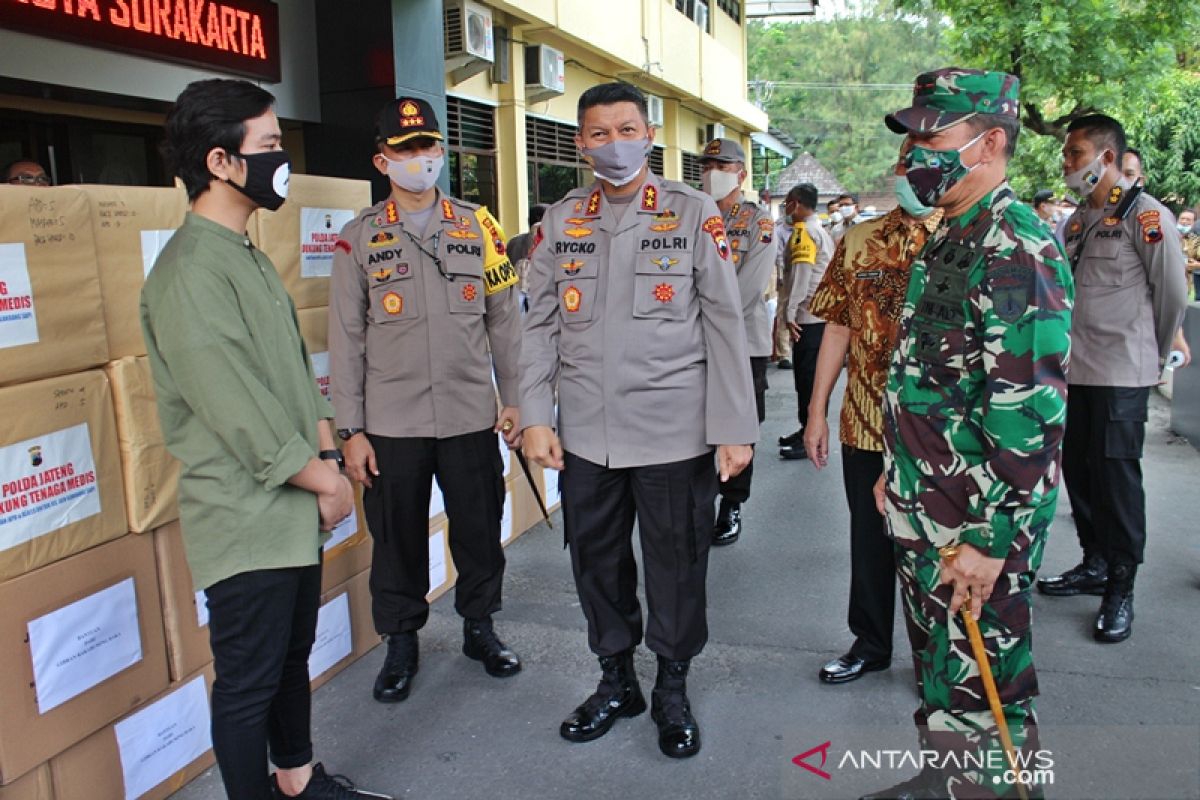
point(237, 401)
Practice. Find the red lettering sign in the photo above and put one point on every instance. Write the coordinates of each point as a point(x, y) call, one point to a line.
point(235, 36)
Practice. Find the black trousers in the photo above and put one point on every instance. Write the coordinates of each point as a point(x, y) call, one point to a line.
point(737, 488)
point(804, 365)
point(1102, 468)
point(261, 627)
point(872, 558)
point(471, 476)
point(673, 505)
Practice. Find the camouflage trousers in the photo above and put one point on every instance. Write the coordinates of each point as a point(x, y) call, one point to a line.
point(954, 718)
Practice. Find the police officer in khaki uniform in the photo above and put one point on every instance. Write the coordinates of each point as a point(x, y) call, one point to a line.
point(750, 231)
point(1131, 293)
point(421, 290)
point(635, 317)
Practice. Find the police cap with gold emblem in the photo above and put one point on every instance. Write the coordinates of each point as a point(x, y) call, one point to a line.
point(726, 151)
point(406, 118)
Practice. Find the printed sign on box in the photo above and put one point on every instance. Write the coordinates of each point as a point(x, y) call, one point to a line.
point(18, 318)
point(81, 644)
point(152, 244)
point(163, 738)
point(319, 230)
point(320, 365)
point(334, 641)
point(50, 483)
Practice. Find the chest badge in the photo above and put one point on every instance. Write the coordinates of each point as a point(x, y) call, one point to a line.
point(572, 299)
point(381, 275)
point(469, 292)
point(578, 232)
point(572, 267)
point(664, 263)
point(393, 303)
point(664, 293)
point(383, 239)
point(665, 220)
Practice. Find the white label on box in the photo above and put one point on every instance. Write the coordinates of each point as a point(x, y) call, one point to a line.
point(320, 365)
point(164, 737)
point(201, 608)
point(437, 503)
point(82, 644)
point(18, 320)
point(343, 531)
point(506, 520)
point(319, 231)
point(333, 642)
point(506, 458)
point(46, 483)
point(552, 495)
point(153, 243)
point(437, 560)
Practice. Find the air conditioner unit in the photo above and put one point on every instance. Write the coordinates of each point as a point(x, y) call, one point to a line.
point(714, 131)
point(654, 110)
point(700, 15)
point(469, 42)
point(545, 73)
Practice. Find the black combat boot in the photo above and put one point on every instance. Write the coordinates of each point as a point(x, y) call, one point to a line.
point(1114, 623)
point(678, 733)
point(481, 643)
point(399, 666)
point(1087, 577)
point(618, 695)
point(729, 523)
point(928, 784)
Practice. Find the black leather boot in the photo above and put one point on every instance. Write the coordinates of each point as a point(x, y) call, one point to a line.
point(618, 695)
point(399, 666)
point(1114, 623)
point(481, 643)
point(729, 524)
point(1087, 577)
point(929, 784)
point(678, 733)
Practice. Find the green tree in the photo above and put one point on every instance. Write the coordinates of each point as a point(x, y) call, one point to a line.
point(829, 84)
point(1166, 130)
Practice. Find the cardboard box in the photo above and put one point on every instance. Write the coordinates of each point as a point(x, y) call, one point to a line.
point(299, 237)
point(348, 550)
point(60, 475)
point(130, 224)
point(150, 754)
point(35, 785)
point(49, 284)
point(345, 631)
point(185, 616)
point(151, 474)
point(314, 328)
point(81, 643)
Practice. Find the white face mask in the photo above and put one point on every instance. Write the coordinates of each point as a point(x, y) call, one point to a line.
point(1083, 181)
point(718, 184)
point(848, 210)
point(417, 174)
point(835, 218)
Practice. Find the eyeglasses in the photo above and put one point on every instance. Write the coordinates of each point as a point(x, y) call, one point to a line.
point(30, 180)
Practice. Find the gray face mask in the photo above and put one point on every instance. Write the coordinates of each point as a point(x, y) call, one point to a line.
point(619, 161)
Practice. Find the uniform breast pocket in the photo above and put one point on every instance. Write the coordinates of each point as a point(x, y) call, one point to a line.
point(942, 350)
point(662, 286)
point(1102, 264)
point(394, 298)
point(464, 294)
point(576, 299)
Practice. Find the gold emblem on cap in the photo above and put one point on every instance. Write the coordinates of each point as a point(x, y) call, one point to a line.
point(409, 109)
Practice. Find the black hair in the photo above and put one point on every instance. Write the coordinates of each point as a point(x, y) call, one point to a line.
point(853, 198)
point(606, 94)
point(1010, 125)
point(1042, 196)
point(207, 114)
point(1101, 129)
point(536, 212)
point(803, 193)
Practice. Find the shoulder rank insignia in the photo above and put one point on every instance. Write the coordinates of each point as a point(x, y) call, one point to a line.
point(447, 210)
point(649, 198)
point(593, 203)
point(1114, 195)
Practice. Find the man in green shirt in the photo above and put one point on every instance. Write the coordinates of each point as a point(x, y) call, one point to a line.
point(240, 408)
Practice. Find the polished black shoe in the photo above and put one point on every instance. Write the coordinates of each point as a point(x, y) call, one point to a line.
point(678, 733)
point(794, 453)
point(927, 785)
point(323, 786)
point(796, 437)
point(784, 363)
point(399, 666)
point(618, 695)
point(729, 524)
point(1114, 623)
point(1088, 577)
point(481, 643)
point(850, 667)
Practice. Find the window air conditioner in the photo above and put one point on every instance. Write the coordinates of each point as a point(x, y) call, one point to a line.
point(654, 107)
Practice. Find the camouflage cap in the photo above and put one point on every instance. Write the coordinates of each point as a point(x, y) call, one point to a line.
point(946, 97)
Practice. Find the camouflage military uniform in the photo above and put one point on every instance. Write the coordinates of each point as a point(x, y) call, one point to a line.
point(973, 422)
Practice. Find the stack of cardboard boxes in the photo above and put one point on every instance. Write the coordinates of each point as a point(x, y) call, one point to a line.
point(105, 667)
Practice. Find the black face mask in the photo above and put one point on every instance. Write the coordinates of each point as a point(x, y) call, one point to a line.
point(267, 176)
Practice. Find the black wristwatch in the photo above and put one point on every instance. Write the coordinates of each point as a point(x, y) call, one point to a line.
point(333, 455)
point(345, 433)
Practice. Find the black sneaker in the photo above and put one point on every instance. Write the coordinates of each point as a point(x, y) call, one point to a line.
point(784, 363)
point(323, 786)
point(792, 438)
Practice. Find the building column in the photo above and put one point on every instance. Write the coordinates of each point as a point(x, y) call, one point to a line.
point(512, 170)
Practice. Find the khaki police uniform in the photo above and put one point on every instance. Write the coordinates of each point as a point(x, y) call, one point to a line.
point(1131, 294)
point(810, 250)
point(635, 318)
point(413, 314)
